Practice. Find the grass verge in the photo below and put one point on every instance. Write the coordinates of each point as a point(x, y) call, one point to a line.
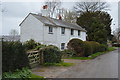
point(36, 76)
point(93, 55)
point(59, 64)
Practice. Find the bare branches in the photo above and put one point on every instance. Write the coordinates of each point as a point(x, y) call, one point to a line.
point(81, 7)
point(53, 6)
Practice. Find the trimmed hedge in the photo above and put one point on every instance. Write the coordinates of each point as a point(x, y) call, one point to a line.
point(85, 48)
point(51, 54)
point(77, 46)
point(13, 56)
point(67, 53)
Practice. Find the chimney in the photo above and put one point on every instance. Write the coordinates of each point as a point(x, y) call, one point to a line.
point(59, 17)
point(44, 11)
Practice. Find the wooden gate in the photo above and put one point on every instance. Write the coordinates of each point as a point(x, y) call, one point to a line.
point(35, 58)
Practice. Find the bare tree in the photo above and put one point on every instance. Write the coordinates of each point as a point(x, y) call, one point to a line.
point(13, 32)
point(70, 16)
point(81, 7)
point(53, 6)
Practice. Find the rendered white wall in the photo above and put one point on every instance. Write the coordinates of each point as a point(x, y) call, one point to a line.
point(34, 29)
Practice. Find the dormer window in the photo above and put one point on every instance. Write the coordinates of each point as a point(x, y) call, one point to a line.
point(62, 30)
point(50, 30)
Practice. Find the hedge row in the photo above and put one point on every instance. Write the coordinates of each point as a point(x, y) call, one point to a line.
point(51, 54)
point(85, 48)
point(13, 56)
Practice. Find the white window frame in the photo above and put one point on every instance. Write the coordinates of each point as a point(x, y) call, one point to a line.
point(50, 29)
point(62, 46)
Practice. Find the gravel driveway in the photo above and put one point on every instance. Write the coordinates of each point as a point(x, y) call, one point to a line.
point(104, 66)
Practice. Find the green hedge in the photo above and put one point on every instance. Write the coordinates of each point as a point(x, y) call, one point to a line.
point(31, 44)
point(85, 48)
point(13, 56)
point(51, 54)
point(67, 53)
point(77, 46)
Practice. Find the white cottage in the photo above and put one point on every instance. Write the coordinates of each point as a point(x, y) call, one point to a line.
point(50, 31)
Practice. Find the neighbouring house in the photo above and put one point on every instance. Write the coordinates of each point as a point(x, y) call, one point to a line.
point(10, 38)
point(50, 31)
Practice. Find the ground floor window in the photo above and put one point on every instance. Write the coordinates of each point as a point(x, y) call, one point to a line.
point(62, 46)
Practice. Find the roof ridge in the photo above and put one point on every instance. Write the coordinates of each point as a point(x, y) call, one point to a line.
point(49, 20)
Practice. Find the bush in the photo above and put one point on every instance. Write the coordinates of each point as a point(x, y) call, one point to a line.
point(67, 53)
point(13, 56)
point(40, 46)
point(77, 46)
point(23, 73)
point(95, 46)
point(102, 47)
point(31, 44)
point(51, 54)
point(88, 49)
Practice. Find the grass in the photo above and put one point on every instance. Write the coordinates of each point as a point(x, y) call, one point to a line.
point(59, 64)
point(111, 48)
point(81, 58)
point(94, 55)
point(36, 76)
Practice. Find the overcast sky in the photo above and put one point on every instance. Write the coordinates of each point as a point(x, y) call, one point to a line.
point(14, 12)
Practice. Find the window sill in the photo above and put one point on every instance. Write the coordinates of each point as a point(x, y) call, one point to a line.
point(62, 34)
point(50, 33)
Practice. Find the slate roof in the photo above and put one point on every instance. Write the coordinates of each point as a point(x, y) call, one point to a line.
point(57, 22)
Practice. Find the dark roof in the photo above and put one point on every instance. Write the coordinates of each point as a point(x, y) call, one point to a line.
point(57, 22)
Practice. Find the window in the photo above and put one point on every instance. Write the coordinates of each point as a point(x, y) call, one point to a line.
point(63, 30)
point(72, 32)
point(62, 46)
point(78, 32)
point(50, 29)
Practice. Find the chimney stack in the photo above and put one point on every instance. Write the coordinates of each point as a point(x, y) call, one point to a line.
point(44, 11)
point(59, 17)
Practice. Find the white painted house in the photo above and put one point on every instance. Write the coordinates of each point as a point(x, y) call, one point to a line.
point(50, 31)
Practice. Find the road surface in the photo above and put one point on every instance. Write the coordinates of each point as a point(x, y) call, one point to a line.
point(104, 66)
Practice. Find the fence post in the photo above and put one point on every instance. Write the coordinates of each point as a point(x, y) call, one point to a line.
point(41, 56)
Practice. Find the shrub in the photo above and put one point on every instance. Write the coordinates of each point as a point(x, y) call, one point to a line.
point(67, 53)
point(23, 73)
point(88, 49)
point(30, 44)
point(40, 46)
point(13, 56)
point(95, 46)
point(77, 46)
point(51, 54)
point(102, 47)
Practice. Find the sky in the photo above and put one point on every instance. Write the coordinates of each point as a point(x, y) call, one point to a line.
point(12, 13)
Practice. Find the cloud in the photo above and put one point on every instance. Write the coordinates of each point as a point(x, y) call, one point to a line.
point(20, 9)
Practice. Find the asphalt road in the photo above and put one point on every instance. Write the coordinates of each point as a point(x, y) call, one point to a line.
point(104, 66)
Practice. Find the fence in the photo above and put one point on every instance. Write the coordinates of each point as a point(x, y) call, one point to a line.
point(35, 58)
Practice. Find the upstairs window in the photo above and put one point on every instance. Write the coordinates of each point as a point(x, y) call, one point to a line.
point(62, 30)
point(62, 46)
point(79, 32)
point(72, 31)
point(50, 29)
